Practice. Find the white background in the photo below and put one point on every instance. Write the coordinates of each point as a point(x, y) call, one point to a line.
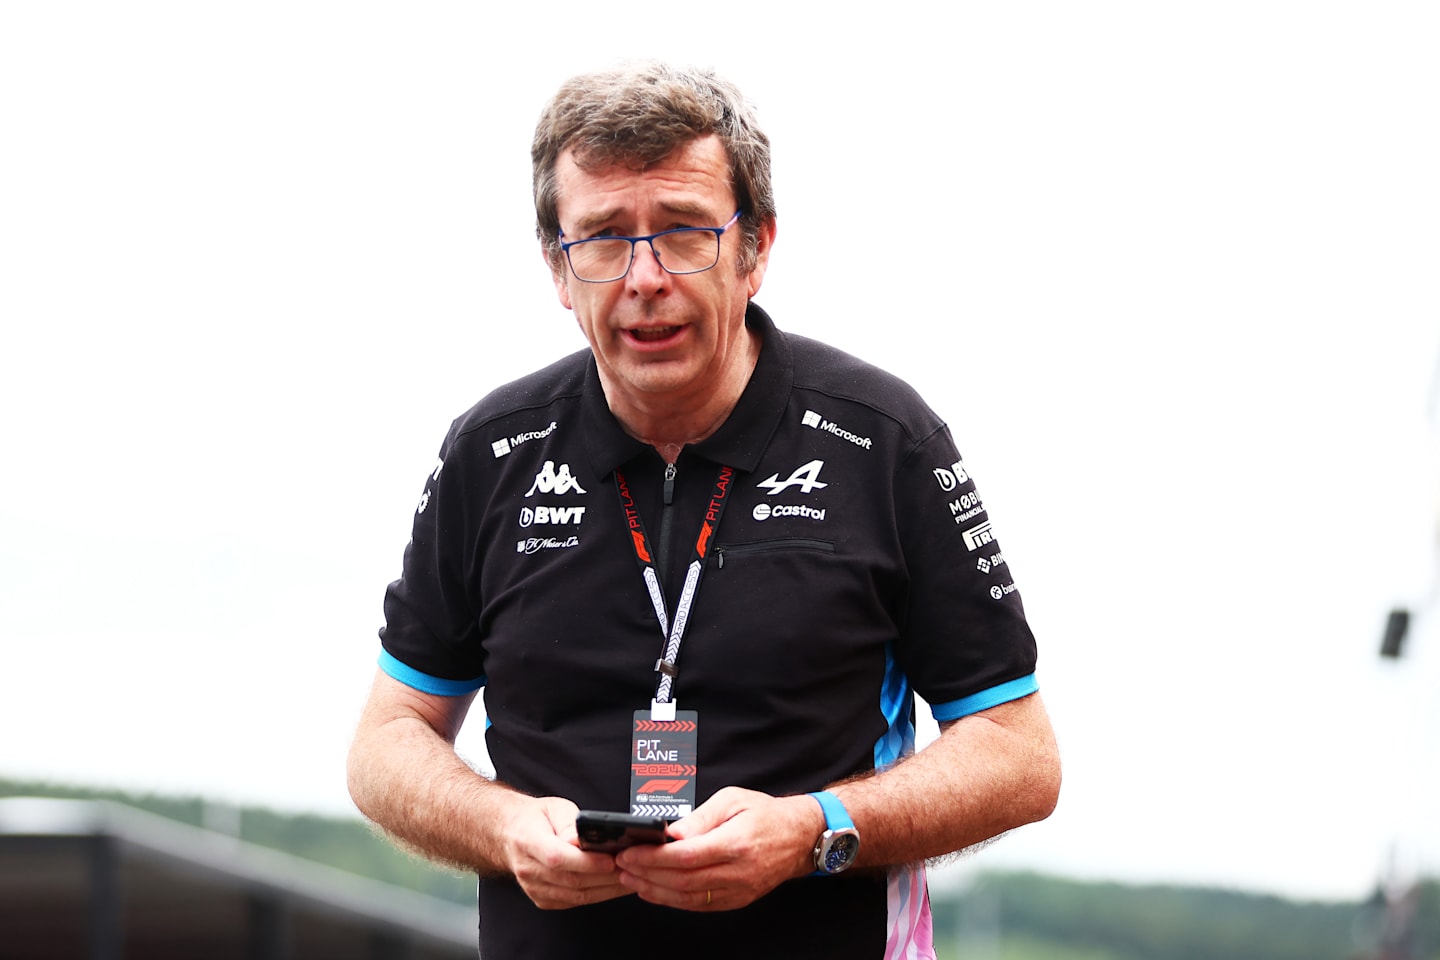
point(1169, 270)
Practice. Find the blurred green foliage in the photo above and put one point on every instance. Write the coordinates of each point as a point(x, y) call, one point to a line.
point(1026, 916)
point(349, 843)
point(1000, 916)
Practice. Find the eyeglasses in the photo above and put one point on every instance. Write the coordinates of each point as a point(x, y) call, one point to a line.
point(679, 251)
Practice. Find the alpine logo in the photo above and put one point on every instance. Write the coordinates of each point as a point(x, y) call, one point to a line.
point(548, 480)
point(806, 477)
point(951, 478)
point(813, 419)
point(550, 515)
point(978, 536)
point(504, 445)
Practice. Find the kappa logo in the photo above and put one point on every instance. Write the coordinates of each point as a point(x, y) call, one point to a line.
point(504, 445)
point(549, 480)
point(951, 478)
point(806, 477)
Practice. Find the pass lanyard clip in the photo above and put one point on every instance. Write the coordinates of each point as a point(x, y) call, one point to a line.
point(662, 708)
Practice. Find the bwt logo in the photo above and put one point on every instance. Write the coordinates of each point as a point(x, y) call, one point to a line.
point(953, 477)
point(550, 515)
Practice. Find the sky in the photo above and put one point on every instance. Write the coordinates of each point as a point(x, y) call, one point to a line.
point(1168, 271)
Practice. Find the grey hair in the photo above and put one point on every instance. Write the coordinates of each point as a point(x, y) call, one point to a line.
point(637, 115)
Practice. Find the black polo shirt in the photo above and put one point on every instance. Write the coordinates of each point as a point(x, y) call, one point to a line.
point(853, 564)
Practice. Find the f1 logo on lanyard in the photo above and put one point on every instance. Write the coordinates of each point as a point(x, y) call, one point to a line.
point(663, 739)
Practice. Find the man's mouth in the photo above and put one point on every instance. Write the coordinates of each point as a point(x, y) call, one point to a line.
point(651, 334)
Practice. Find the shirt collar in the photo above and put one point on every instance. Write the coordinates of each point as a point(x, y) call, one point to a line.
point(741, 439)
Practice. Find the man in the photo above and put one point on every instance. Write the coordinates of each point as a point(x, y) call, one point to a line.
point(702, 564)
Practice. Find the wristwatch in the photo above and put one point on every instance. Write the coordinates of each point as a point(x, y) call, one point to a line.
point(840, 843)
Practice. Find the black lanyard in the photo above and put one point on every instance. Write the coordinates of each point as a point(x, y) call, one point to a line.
point(673, 632)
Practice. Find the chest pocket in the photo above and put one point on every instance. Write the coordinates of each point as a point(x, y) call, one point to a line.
point(737, 552)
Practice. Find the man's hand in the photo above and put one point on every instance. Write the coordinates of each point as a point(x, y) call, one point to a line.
point(543, 853)
point(733, 849)
point(405, 776)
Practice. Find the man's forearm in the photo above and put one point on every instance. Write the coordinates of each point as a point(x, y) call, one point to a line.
point(409, 780)
point(986, 774)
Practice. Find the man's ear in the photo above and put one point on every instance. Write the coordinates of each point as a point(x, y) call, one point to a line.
point(764, 240)
point(558, 277)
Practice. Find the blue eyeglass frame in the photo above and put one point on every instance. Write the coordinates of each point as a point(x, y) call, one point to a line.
point(718, 231)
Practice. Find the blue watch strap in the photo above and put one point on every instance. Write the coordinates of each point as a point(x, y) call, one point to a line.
point(836, 816)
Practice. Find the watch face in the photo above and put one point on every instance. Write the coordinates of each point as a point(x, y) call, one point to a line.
point(840, 851)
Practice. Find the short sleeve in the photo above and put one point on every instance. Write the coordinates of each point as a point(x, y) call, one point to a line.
point(430, 638)
point(965, 644)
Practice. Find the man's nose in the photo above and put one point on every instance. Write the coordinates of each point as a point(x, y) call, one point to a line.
point(646, 274)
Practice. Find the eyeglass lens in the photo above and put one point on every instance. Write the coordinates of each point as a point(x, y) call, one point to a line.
point(679, 251)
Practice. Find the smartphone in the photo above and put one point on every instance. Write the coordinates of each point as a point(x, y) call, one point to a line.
point(607, 832)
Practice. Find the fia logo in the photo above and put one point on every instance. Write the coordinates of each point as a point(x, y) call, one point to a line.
point(806, 477)
point(549, 481)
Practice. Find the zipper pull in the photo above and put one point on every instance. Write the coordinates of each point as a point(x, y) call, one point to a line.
point(669, 483)
point(720, 558)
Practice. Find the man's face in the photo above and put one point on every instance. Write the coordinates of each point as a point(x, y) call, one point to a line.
point(658, 337)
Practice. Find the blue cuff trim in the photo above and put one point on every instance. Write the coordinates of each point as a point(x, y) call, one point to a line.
point(985, 699)
point(424, 682)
